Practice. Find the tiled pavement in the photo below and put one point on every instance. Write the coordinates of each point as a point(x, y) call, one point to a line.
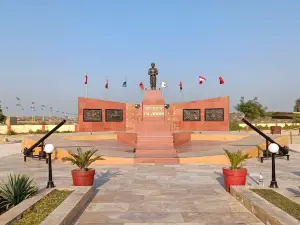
point(160, 194)
point(174, 194)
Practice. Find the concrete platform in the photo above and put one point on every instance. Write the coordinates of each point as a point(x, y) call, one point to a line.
point(203, 148)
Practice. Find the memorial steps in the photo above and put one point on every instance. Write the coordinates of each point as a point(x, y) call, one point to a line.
point(155, 142)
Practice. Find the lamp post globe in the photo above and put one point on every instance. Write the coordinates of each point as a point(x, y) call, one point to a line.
point(49, 148)
point(273, 148)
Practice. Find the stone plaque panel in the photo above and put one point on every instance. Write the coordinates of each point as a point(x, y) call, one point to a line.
point(113, 115)
point(154, 110)
point(214, 114)
point(92, 115)
point(191, 115)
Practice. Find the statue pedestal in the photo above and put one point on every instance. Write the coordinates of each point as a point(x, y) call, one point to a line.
point(153, 110)
point(154, 136)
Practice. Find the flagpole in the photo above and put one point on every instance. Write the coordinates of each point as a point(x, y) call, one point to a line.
point(86, 90)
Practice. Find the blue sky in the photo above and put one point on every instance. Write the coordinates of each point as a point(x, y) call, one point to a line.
point(47, 46)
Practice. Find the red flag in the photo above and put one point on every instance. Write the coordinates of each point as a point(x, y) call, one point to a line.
point(221, 80)
point(106, 84)
point(201, 79)
point(180, 86)
point(86, 79)
point(141, 86)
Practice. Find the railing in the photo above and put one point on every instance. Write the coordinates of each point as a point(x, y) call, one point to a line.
point(28, 152)
point(283, 150)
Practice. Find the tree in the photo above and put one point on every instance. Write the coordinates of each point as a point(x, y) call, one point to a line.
point(2, 117)
point(252, 109)
point(297, 105)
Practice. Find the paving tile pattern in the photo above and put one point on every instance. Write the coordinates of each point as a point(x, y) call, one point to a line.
point(160, 194)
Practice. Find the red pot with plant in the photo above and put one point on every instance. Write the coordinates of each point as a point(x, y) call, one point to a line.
point(235, 175)
point(83, 176)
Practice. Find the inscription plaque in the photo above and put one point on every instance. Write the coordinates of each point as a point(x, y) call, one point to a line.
point(214, 114)
point(154, 110)
point(191, 115)
point(114, 115)
point(92, 115)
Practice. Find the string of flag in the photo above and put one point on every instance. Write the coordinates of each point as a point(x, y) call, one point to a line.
point(202, 80)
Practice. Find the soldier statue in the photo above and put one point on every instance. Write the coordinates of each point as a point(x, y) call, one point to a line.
point(153, 72)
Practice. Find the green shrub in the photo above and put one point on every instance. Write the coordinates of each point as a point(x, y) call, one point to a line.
point(266, 127)
point(16, 189)
point(234, 126)
point(43, 208)
point(39, 131)
point(11, 132)
point(290, 127)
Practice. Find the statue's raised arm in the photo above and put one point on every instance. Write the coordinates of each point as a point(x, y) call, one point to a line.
point(153, 72)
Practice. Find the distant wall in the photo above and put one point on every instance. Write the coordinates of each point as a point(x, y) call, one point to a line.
point(271, 124)
point(33, 128)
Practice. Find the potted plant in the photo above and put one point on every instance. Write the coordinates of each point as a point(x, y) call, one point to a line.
point(83, 176)
point(235, 174)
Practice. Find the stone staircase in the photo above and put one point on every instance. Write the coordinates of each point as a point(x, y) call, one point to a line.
point(155, 142)
point(155, 146)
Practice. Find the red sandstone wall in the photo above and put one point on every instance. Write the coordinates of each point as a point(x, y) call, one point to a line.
point(181, 138)
point(174, 113)
point(127, 138)
point(87, 103)
point(133, 116)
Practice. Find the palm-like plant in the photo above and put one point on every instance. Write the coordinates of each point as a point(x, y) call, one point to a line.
point(16, 189)
point(82, 159)
point(236, 159)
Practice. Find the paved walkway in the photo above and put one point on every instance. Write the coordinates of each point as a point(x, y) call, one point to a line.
point(164, 195)
point(9, 149)
point(158, 194)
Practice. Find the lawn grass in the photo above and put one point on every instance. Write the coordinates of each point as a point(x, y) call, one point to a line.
point(280, 201)
point(43, 208)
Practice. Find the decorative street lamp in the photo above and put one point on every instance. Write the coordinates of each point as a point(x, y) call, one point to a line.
point(273, 148)
point(18, 106)
point(50, 110)
point(57, 115)
point(42, 108)
point(33, 111)
point(49, 148)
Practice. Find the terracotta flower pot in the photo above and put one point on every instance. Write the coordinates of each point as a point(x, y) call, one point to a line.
point(83, 178)
point(234, 177)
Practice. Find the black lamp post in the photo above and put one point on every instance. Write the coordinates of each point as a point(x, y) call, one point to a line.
point(49, 148)
point(273, 148)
